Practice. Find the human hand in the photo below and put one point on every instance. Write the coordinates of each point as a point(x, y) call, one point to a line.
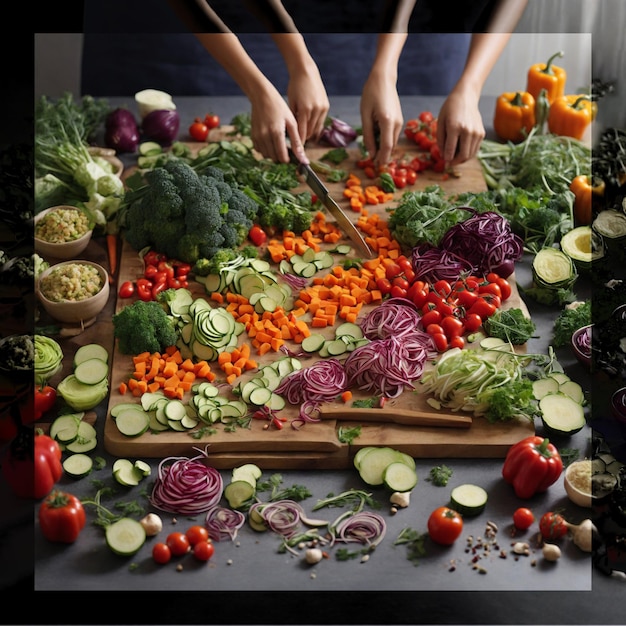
point(309, 102)
point(381, 112)
point(460, 128)
point(272, 121)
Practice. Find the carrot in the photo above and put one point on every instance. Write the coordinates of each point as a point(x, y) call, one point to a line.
point(346, 396)
point(111, 241)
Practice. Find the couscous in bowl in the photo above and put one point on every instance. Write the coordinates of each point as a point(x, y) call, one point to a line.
point(62, 232)
point(73, 291)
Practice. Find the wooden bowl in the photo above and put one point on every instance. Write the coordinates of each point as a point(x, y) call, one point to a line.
point(70, 249)
point(74, 311)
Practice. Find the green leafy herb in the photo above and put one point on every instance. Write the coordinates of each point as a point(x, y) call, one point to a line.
point(205, 431)
point(336, 155)
point(571, 318)
point(355, 498)
point(242, 123)
point(569, 455)
point(386, 182)
point(277, 492)
point(510, 325)
point(414, 542)
point(343, 554)
point(348, 435)
point(99, 463)
point(511, 400)
point(440, 475)
point(367, 403)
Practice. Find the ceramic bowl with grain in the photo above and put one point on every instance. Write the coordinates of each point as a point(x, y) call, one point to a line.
point(62, 232)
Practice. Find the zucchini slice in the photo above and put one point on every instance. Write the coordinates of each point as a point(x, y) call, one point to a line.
point(398, 476)
point(468, 499)
point(78, 465)
point(125, 537)
point(561, 415)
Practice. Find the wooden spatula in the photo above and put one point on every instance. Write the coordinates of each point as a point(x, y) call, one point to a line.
point(397, 416)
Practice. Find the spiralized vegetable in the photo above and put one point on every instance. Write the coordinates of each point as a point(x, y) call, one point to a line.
point(364, 527)
point(186, 486)
point(432, 263)
point(396, 316)
point(388, 366)
point(486, 241)
point(224, 523)
point(583, 341)
point(311, 386)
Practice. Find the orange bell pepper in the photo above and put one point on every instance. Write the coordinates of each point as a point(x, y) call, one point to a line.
point(585, 190)
point(547, 76)
point(514, 117)
point(570, 115)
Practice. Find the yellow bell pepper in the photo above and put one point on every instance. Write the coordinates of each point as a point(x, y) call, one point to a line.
point(514, 116)
point(570, 115)
point(547, 76)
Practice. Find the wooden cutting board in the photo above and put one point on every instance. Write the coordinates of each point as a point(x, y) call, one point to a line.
point(316, 445)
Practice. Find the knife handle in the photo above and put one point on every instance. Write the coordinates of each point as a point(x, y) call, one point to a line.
point(397, 416)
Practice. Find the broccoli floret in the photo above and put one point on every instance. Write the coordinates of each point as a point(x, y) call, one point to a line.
point(143, 327)
point(211, 265)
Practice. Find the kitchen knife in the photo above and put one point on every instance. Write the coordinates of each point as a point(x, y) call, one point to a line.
point(396, 416)
point(320, 190)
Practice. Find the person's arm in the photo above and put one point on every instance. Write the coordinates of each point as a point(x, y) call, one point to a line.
point(380, 105)
point(460, 128)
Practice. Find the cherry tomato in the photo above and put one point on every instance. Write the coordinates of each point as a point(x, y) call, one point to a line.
point(168, 268)
point(443, 288)
point(417, 293)
point(445, 525)
point(174, 283)
point(369, 171)
point(383, 285)
point(482, 308)
point(445, 308)
point(157, 288)
point(411, 176)
point(127, 289)
point(426, 117)
point(452, 326)
point(399, 181)
point(440, 341)
point(456, 342)
point(392, 270)
point(199, 131)
point(523, 518)
point(144, 289)
point(150, 272)
point(434, 329)
point(465, 298)
point(211, 120)
point(161, 553)
point(404, 263)
point(182, 269)
point(472, 322)
point(203, 550)
point(196, 534)
point(257, 235)
point(397, 292)
point(505, 287)
point(492, 288)
point(400, 281)
point(552, 526)
point(432, 317)
point(178, 543)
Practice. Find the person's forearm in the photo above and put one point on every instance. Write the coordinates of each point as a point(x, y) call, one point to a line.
point(292, 48)
point(227, 50)
point(388, 51)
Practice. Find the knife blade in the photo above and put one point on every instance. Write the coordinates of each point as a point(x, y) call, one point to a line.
point(396, 416)
point(320, 190)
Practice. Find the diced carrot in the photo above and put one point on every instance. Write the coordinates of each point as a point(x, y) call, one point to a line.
point(170, 369)
point(216, 296)
point(153, 386)
point(346, 396)
point(264, 348)
point(231, 378)
point(123, 388)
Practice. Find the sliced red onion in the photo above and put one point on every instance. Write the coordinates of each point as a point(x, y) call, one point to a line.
point(582, 340)
point(432, 264)
point(364, 527)
point(186, 486)
point(224, 523)
point(396, 316)
point(283, 516)
point(337, 133)
point(297, 283)
point(386, 367)
point(486, 241)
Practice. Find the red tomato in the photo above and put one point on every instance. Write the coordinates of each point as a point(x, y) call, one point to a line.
point(397, 292)
point(445, 525)
point(211, 120)
point(196, 534)
point(417, 293)
point(392, 270)
point(445, 308)
point(157, 288)
point(472, 322)
point(505, 288)
point(426, 117)
point(198, 131)
point(178, 543)
point(434, 329)
point(369, 171)
point(465, 298)
point(492, 288)
point(400, 281)
point(404, 263)
point(523, 518)
point(257, 235)
point(383, 285)
point(440, 341)
point(411, 176)
point(552, 526)
point(443, 288)
point(161, 553)
point(482, 308)
point(150, 272)
point(432, 317)
point(452, 326)
point(203, 550)
point(127, 289)
point(399, 181)
point(456, 342)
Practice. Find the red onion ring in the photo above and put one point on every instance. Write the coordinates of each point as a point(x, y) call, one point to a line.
point(186, 486)
point(364, 527)
point(224, 523)
point(432, 264)
point(396, 316)
point(387, 366)
point(283, 516)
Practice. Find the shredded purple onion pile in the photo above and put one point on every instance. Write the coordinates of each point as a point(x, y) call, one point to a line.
point(224, 523)
point(396, 316)
point(432, 264)
point(364, 527)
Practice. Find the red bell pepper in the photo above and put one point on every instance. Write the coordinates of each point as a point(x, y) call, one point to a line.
point(45, 397)
point(531, 466)
point(32, 465)
point(61, 517)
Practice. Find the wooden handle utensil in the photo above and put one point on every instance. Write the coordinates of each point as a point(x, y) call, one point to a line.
point(397, 416)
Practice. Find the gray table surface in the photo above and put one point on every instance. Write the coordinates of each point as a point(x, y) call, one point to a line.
point(248, 581)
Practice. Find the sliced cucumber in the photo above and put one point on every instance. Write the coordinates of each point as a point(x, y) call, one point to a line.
point(132, 422)
point(125, 537)
point(561, 415)
point(125, 473)
point(398, 476)
point(468, 499)
point(373, 464)
point(91, 371)
point(573, 390)
point(86, 439)
point(543, 386)
point(143, 467)
point(313, 342)
point(65, 427)
point(360, 453)
point(238, 492)
point(78, 465)
point(90, 351)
